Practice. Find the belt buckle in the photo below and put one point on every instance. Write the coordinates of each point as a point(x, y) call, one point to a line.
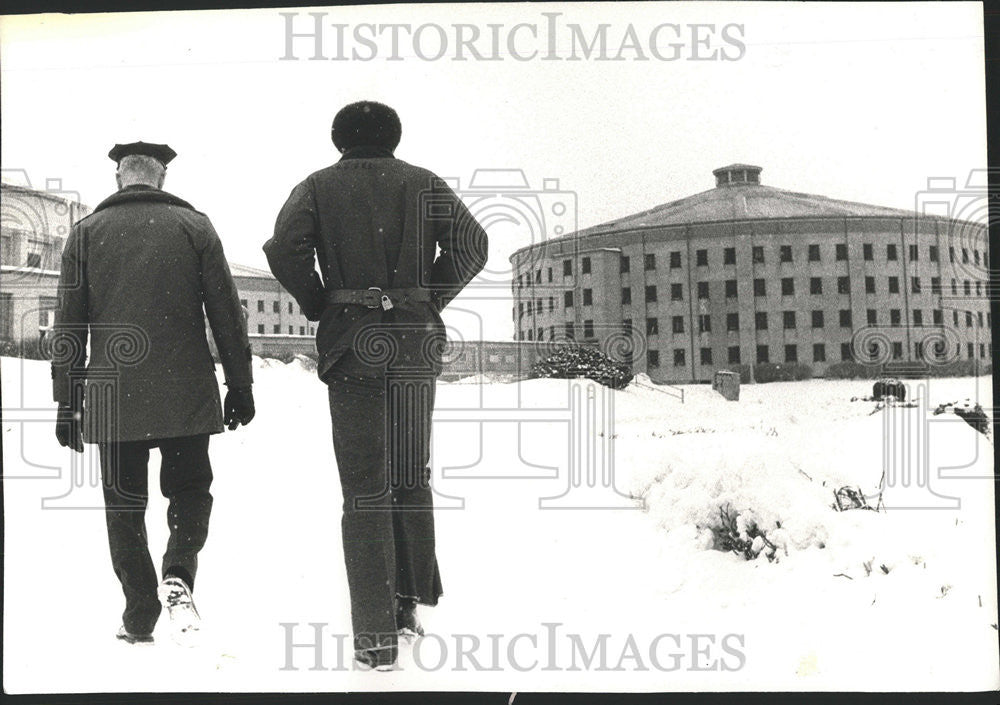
point(373, 297)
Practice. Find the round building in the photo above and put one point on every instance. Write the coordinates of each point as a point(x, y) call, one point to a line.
point(745, 274)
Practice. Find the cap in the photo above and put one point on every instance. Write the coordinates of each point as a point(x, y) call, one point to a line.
point(160, 152)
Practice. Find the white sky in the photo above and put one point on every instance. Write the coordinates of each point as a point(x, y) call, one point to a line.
point(862, 102)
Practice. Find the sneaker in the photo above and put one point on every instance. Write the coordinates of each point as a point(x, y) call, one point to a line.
point(129, 638)
point(406, 618)
point(185, 622)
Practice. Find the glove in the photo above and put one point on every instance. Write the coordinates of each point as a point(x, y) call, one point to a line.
point(239, 407)
point(69, 424)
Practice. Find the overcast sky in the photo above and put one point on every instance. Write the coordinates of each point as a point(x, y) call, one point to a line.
point(862, 102)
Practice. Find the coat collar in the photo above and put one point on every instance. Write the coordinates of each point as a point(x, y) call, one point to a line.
point(367, 152)
point(138, 193)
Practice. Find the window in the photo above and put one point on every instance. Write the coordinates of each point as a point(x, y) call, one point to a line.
point(787, 286)
point(979, 318)
point(866, 252)
point(626, 295)
point(651, 294)
point(531, 334)
point(791, 353)
point(785, 253)
point(730, 288)
point(965, 260)
point(567, 267)
point(914, 253)
point(954, 288)
point(260, 306)
point(970, 350)
point(588, 329)
point(843, 285)
point(817, 319)
point(520, 309)
point(290, 309)
point(584, 265)
point(588, 297)
point(679, 357)
point(846, 353)
point(918, 318)
point(976, 258)
point(549, 273)
point(815, 285)
point(893, 285)
point(897, 351)
point(951, 254)
point(757, 254)
point(760, 320)
point(932, 253)
point(871, 316)
point(702, 290)
point(788, 319)
point(277, 308)
point(552, 335)
point(649, 262)
point(701, 258)
point(819, 352)
point(568, 299)
point(34, 260)
point(935, 285)
point(840, 252)
point(277, 328)
point(652, 358)
point(968, 319)
point(729, 255)
point(732, 321)
point(762, 354)
point(552, 303)
point(890, 252)
point(760, 287)
point(734, 355)
point(243, 303)
point(624, 265)
point(966, 288)
point(290, 330)
point(260, 329)
point(706, 356)
point(677, 324)
point(915, 285)
point(570, 332)
point(652, 326)
point(538, 276)
point(845, 318)
point(704, 323)
point(676, 292)
point(894, 317)
point(979, 290)
point(869, 285)
point(954, 317)
point(302, 330)
point(814, 253)
point(937, 316)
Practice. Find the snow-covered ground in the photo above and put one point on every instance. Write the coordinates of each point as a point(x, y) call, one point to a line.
point(545, 565)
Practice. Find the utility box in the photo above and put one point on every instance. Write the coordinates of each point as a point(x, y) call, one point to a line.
point(727, 384)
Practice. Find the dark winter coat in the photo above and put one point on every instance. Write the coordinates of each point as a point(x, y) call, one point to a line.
point(138, 276)
point(375, 221)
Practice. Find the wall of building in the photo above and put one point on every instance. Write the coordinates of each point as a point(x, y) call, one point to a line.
point(947, 301)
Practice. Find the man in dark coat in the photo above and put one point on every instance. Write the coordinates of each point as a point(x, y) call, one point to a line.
point(375, 224)
point(138, 276)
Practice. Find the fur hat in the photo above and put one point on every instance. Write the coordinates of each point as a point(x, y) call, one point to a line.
point(366, 123)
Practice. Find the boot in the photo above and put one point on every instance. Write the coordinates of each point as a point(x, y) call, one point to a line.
point(406, 617)
point(185, 622)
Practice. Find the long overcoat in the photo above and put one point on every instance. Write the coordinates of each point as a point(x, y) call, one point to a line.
point(372, 220)
point(138, 277)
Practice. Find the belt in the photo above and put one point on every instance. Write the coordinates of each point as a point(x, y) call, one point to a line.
point(374, 297)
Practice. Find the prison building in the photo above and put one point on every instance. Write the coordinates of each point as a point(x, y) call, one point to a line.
point(745, 273)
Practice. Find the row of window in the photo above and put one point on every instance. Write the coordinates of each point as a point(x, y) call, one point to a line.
point(785, 255)
point(734, 357)
point(759, 289)
point(275, 306)
point(291, 330)
point(789, 321)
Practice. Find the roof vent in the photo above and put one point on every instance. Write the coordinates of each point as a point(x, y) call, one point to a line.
point(737, 174)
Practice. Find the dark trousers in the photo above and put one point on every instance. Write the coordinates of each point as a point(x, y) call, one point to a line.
point(381, 438)
point(185, 478)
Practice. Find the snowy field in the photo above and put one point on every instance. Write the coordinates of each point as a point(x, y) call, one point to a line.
point(553, 550)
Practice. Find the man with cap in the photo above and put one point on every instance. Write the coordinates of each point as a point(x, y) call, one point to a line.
point(138, 277)
point(375, 223)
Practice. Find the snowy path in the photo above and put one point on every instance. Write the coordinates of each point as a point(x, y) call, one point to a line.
point(527, 592)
